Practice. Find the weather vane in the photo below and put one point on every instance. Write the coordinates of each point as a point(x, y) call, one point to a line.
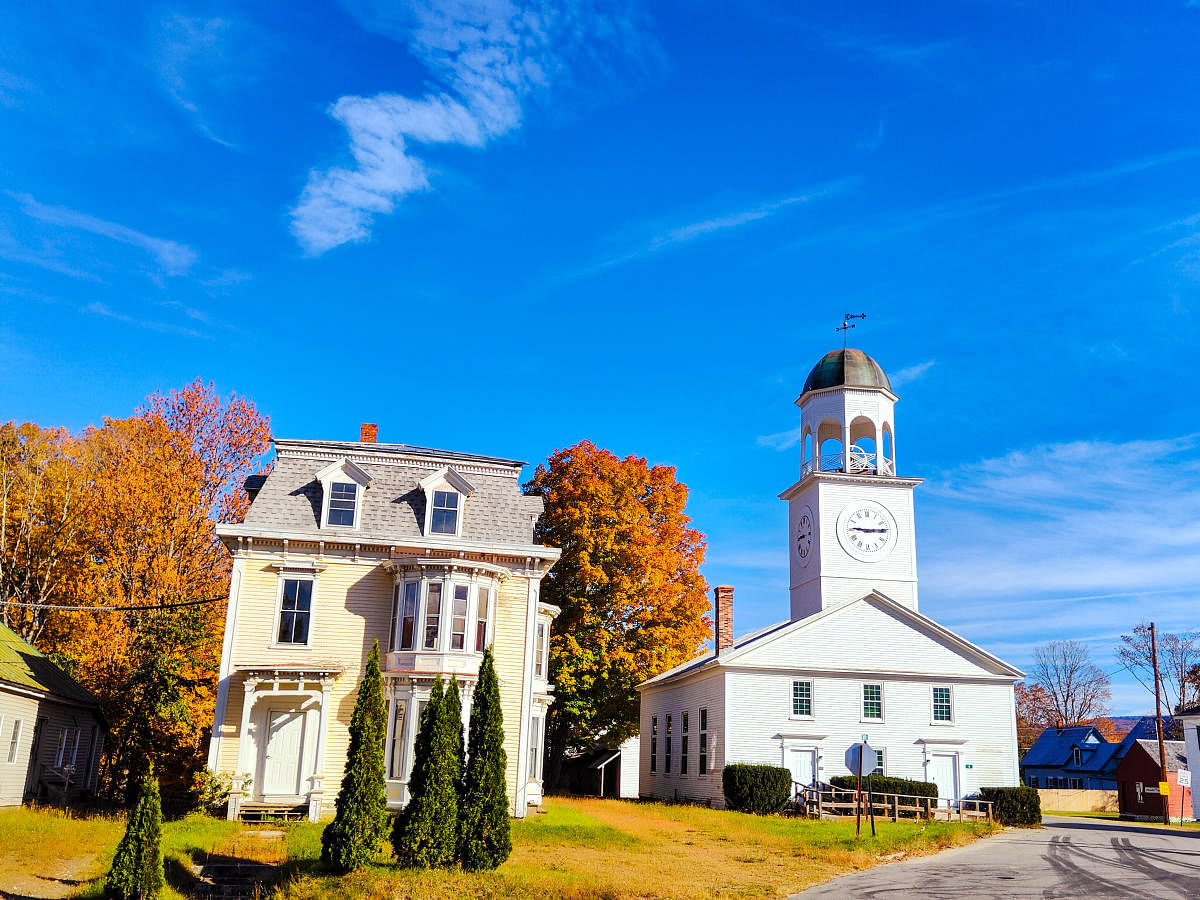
point(847, 325)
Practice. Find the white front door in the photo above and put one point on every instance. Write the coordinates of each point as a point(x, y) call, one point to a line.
point(943, 771)
point(281, 768)
point(803, 766)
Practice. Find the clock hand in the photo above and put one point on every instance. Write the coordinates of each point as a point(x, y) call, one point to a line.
point(870, 530)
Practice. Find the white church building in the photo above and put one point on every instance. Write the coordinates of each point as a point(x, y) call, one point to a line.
point(856, 658)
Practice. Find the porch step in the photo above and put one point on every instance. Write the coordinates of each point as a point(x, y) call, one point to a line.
point(272, 812)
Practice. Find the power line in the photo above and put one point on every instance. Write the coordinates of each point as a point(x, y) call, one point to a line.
point(25, 605)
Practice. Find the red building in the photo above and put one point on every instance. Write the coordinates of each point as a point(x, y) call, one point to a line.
point(1138, 775)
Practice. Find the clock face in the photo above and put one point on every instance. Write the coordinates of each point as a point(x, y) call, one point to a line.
point(805, 526)
point(866, 531)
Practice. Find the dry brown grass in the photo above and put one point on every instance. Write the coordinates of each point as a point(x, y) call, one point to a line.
point(587, 848)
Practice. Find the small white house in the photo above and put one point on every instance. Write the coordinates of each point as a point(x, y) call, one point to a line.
point(1191, 740)
point(855, 659)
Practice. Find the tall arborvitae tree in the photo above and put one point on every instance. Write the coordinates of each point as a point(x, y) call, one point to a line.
point(137, 869)
point(425, 833)
point(485, 840)
point(354, 835)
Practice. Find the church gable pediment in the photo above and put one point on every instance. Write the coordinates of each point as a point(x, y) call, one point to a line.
point(872, 634)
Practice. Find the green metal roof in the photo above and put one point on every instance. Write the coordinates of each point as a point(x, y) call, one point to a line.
point(22, 665)
point(846, 367)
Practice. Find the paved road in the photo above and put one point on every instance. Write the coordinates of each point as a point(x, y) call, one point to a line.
point(1066, 858)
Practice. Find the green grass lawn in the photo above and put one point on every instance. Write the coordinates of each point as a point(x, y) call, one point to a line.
point(579, 848)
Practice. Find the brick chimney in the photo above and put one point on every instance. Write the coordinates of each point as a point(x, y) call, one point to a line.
point(368, 434)
point(723, 605)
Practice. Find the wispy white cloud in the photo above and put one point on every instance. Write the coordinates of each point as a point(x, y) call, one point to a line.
point(909, 374)
point(489, 56)
point(885, 48)
point(174, 258)
point(782, 440)
point(180, 45)
point(1069, 520)
point(677, 236)
point(98, 308)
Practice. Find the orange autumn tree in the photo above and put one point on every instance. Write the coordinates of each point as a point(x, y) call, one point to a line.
point(158, 481)
point(1035, 713)
point(628, 583)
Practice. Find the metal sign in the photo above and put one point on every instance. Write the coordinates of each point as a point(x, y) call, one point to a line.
point(1164, 788)
point(1185, 778)
point(861, 759)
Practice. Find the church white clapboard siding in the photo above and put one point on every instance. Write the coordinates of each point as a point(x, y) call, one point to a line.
point(856, 658)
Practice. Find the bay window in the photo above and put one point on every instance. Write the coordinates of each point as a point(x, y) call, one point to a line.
point(433, 614)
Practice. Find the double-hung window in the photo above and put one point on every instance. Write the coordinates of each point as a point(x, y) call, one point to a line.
point(396, 756)
point(1076, 756)
point(62, 747)
point(802, 697)
point(872, 701)
point(667, 751)
point(342, 498)
point(444, 518)
point(683, 742)
point(654, 744)
point(433, 614)
point(535, 748)
point(458, 617)
point(407, 595)
point(14, 741)
point(703, 741)
point(879, 759)
point(539, 656)
point(482, 595)
point(942, 711)
point(295, 611)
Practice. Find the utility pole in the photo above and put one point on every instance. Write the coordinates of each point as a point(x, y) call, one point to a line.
point(1162, 749)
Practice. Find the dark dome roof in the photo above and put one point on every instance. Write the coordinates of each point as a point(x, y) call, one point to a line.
point(846, 367)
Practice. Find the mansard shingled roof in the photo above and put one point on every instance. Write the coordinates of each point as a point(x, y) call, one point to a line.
point(394, 505)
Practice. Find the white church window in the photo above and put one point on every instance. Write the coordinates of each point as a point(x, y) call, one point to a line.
point(703, 740)
point(683, 743)
point(653, 744)
point(942, 711)
point(879, 760)
point(667, 752)
point(872, 707)
point(802, 698)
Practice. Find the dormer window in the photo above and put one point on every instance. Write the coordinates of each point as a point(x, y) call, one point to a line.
point(342, 499)
point(342, 491)
point(446, 493)
point(445, 513)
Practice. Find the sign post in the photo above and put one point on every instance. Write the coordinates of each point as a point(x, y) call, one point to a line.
point(861, 758)
point(1185, 781)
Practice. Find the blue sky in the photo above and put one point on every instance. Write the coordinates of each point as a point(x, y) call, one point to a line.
point(503, 230)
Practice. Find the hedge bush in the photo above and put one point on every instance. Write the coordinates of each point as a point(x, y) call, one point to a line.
point(485, 839)
point(755, 788)
point(137, 869)
point(1014, 805)
point(882, 784)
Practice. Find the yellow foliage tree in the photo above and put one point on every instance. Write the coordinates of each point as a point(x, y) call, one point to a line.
point(629, 585)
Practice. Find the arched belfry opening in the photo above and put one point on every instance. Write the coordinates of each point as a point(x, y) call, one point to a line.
point(847, 415)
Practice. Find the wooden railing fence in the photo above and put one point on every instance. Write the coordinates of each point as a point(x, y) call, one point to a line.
point(826, 800)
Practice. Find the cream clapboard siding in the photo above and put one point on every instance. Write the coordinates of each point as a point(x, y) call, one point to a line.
point(14, 708)
point(701, 691)
point(508, 647)
point(351, 608)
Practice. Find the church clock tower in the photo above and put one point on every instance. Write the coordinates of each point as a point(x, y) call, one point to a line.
point(850, 516)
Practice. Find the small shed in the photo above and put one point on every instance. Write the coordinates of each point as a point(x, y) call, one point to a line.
point(51, 728)
point(1138, 777)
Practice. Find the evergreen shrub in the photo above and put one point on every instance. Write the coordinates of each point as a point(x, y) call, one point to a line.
point(361, 822)
point(1014, 805)
point(137, 869)
point(756, 788)
point(882, 784)
point(485, 838)
point(425, 834)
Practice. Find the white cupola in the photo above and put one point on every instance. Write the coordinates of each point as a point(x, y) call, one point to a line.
point(846, 417)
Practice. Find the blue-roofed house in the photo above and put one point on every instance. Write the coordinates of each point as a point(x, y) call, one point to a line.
point(1080, 757)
